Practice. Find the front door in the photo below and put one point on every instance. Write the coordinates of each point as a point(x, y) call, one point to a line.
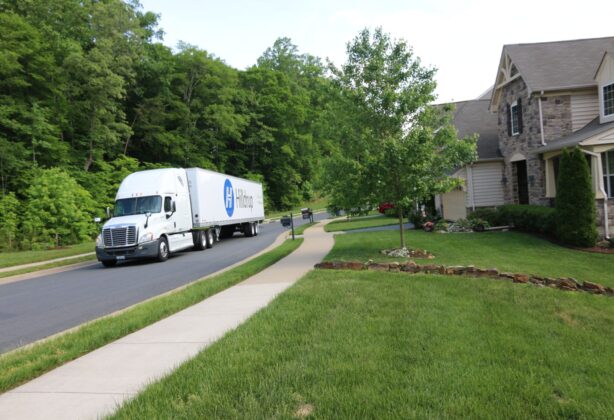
point(521, 182)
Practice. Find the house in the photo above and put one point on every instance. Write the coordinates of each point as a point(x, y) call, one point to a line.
point(482, 186)
point(549, 96)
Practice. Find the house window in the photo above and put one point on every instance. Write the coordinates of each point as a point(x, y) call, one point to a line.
point(608, 100)
point(515, 118)
point(607, 161)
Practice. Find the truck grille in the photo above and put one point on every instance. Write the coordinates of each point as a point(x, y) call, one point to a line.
point(122, 236)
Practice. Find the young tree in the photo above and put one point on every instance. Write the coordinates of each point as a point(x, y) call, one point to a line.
point(575, 201)
point(411, 145)
point(58, 210)
point(9, 219)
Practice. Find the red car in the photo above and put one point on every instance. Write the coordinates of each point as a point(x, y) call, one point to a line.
point(384, 206)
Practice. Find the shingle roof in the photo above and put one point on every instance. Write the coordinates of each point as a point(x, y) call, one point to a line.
point(561, 64)
point(591, 129)
point(471, 117)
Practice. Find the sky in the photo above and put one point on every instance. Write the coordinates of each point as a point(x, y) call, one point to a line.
point(463, 39)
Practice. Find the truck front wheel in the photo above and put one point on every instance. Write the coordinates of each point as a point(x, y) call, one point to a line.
point(162, 249)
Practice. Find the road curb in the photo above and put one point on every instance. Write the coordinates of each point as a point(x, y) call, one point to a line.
point(277, 242)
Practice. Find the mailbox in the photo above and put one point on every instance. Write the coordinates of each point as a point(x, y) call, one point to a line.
point(307, 213)
point(286, 221)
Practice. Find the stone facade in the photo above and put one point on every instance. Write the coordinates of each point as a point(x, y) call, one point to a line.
point(556, 112)
point(599, 206)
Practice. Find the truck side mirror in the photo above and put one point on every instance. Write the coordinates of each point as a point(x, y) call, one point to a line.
point(174, 207)
point(108, 212)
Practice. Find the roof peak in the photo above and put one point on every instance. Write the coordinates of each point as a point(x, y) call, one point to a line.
point(557, 42)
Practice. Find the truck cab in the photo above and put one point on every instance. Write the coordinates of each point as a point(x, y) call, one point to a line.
point(152, 217)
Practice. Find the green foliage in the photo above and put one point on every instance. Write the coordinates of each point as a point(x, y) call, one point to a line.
point(405, 147)
point(9, 220)
point(528, 218)
point(575, 200)
point(492, 216)
point(58, 210)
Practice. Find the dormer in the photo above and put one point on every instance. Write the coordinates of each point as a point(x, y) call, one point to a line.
point(605, 80)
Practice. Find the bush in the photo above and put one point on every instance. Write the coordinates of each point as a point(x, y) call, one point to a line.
point(492, 216)
point(441, 225)
point(535, 219)
point(575, 201)
point(58, 211)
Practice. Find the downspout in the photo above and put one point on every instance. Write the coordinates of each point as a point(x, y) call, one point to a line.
point(606, 228)
point(470, 182)
point(541, 118)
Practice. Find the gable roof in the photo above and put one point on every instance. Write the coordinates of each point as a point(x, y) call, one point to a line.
point(555, 65)
point(471, 117)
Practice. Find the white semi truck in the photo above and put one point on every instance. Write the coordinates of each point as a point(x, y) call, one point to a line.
point(168, 210)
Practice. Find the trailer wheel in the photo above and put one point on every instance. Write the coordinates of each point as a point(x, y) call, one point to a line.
point(248, 230)
point(209, 238)
point(109, 263)
point(200, 241)
point(163, 249)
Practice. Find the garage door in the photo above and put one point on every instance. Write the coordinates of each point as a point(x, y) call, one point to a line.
point(453, 204)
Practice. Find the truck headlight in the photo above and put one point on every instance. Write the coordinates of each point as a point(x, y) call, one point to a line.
point(147, 237)
point(99, 241)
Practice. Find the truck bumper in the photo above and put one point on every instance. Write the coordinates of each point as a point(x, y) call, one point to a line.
point(146, 250)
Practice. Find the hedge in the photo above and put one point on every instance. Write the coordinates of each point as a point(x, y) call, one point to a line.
point(535, 219)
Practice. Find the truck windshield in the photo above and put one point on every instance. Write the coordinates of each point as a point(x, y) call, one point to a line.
point(138, 205)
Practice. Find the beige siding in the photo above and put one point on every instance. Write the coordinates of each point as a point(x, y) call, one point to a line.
point(606, 71)
point(487, 187)
point(453, 204)
point(584, 108)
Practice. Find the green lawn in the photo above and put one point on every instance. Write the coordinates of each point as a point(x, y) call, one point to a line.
point(317, 204)
point(9, 259)
point(22, 365)
point(56, 264)
point(507, 251)
point(343, 344)
point(361, 222)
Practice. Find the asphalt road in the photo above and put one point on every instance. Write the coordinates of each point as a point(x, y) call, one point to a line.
point(39, 307)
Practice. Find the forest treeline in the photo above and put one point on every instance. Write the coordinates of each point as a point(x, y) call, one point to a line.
point(88, 94)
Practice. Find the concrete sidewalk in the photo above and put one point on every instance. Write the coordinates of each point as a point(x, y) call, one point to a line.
point(95, 384)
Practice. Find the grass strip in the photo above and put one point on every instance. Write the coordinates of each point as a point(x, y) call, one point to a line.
point(361, 223)
point(22, 365)
point(301, 229)
point(9, 259)
point(56, 264)
point(508, 251)
point(343, 344)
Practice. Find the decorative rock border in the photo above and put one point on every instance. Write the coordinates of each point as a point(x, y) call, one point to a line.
point(562, 283)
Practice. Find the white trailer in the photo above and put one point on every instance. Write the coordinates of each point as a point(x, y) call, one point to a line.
point(168, 210)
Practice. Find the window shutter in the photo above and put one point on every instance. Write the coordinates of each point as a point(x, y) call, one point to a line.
point(519, 117)
point(509, 120)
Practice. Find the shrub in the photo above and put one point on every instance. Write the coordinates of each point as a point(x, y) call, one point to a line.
point(441, 225)
point(575, 201)
point(536, 219)
point(58, 210)
point(492, 216)
point(9, 220)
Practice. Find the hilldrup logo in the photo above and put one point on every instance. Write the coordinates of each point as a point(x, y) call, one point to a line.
point(229, 198)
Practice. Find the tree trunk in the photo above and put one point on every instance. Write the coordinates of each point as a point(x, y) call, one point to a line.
point(401, 232)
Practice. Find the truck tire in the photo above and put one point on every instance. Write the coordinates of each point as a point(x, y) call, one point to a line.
point(248, 230)
point(209, 238)
point(200, 240)
point(256, 228)
point(109, 263)
point(163, 251)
